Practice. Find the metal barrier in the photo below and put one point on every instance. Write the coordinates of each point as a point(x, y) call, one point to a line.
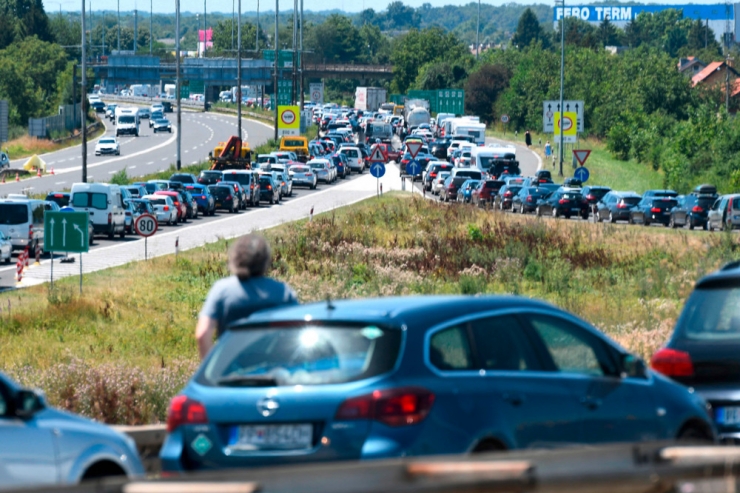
point(149, 439)
point(621, 468)
point(67, 120)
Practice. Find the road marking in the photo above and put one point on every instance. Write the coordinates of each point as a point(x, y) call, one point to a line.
point(51, 162)
point(60, 183)
point(164, 159)
point(186, 151)
point(150, 162)
point(134, 166)
point(112, 172)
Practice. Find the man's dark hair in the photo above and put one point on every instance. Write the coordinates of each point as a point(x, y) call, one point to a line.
point(249, 257)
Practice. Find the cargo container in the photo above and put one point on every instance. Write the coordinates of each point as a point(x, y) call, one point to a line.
point(369, 98)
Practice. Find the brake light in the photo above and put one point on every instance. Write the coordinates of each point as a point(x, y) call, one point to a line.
point(269, 187)
point(283, 183)
point(622, 205)
point(58, 195)
point(228, 197)
point(166, 208)
point(451, 186)
point(529, 198)
point(697, 209)
point(655, 209)
point(110, 218)
point(672, 363)
point(542, 181)
point(251, 187)
point(185, 411)
point(393, 407)
point(562, 201)
point(30, 231)
point(203, 197)
point(590, 197)
point(507, 194)
point(433, 175)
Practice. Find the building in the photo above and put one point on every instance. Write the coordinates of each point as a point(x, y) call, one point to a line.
point(690, 66)
point(715, 15)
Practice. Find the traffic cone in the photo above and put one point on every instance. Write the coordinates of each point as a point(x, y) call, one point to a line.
point(17, 178)
point(38, 172)
point(52, 170)
point(3, 177)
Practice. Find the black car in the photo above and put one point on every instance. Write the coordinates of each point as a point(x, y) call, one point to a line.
point(543, 176)
point(693, 209)
point(438, 148)
point(269, 189)
point(184, 178)
point(506, 195)
point(432, 173)
point(224, 197)
point(616, 206)
point(209, 177)
point(562, 203)
point(60, 198)
point(526, 199)
point(704, 351)
point(593, 195)
point(167, 106)
point(653, 209)
point(98, 106)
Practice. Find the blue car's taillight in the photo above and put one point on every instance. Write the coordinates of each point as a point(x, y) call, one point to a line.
point(394, 407)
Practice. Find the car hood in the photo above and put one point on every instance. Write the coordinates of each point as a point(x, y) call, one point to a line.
point(106, 145)
point(55, 418)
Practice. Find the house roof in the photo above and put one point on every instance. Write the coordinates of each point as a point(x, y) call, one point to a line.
point(686, 63)
point(706, 72)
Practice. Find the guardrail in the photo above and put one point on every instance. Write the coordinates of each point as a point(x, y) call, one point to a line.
point(149, 440)
point(622, 468)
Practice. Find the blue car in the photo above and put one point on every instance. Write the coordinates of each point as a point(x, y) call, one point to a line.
point(204, 199)
point(466, 189)
point(40, 445)
point(396, 377)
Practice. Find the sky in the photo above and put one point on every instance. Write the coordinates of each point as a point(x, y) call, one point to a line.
point(168, 6)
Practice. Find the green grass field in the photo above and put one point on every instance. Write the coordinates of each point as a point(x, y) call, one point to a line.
point(120, 352)
point(603, 167)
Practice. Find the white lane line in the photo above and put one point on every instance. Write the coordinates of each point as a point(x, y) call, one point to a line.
point(132, 167)
point(186, 151)
point(152, 162)
point(51, 162)
point(164, 159)
point(62, 160)
point(112, 172)
point(60, 183)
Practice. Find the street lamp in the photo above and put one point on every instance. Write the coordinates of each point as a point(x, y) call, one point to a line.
point(562, 80)
point(177, 82)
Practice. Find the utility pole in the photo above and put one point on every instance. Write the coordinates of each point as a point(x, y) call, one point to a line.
point(205, 33)
point(562, 84)
point(119, 25)
point(83, 99)
point(294, 84)
point(239, 71)
point(257, 38)
point(728, 59)
point(233, 3)
point(178, 82)
point(136, 29)
point(275, 67)
point(301, 57)
point(151, 26)
point(477, 34)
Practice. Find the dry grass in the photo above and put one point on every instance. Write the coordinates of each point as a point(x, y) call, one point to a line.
point(123, 349)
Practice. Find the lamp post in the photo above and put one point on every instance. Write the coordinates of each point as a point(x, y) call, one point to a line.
point(178, 82)
point(562, 81)
point(151, 26)
point(275, 66)
point(477, 34)
point(239, 71)
point(83, 99)
point(119, 25)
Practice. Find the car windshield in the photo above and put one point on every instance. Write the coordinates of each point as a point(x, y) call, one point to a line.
point(240, 178)
point(161, 121)
point(711, 314)
point(158, 201)
point(107, 141)
point(665, 203)
point(299, 169)
point(90, 199)
point(703, 202)
point(301, 355)
point(219, 191)
point(631, 200)
point(126, 119)
point(11, 214)
point(294, 143)
point(62, 199)
point(598, 193)
point(317, 166)
point(571, 196)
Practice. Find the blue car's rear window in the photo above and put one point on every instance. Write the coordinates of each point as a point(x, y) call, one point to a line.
point(301, 355)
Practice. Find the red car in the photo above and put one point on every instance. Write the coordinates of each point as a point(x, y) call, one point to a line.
point(182, 209)
point(485, 192)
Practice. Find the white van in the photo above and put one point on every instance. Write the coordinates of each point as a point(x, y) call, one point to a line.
point(22, 221)
point(354, 158)
point(127, 121)
point(104, 203)
point(465, 126)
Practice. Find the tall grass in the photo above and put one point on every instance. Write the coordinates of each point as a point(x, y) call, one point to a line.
point(119, 352)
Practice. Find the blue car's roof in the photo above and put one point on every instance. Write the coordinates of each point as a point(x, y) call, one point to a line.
point(412, 311)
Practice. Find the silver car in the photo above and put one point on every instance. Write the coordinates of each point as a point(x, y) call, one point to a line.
point(439, 182)
point(6, 248)
point(40, 445)
point(322, 170)
point(304, 176)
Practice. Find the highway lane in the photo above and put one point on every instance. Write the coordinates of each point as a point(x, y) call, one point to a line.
point(141, 155)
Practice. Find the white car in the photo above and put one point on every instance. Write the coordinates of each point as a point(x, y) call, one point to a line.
point(156, 107)
point(6, 248)
point(107, 145)
point(164, 207)
point(144, 113)
point(439, 182)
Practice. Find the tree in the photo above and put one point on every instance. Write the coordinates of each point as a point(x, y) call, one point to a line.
point(336, 40)
point(528, 30)
point(222, 40)
point(399, 16)
point(607, 34)
point(483, 88)
point(441, 75)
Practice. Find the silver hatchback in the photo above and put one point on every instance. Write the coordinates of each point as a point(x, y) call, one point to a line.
point(304, 176)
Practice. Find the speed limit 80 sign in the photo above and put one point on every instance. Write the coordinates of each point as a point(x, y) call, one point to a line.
point(146, 225)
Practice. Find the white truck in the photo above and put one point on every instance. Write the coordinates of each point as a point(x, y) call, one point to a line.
point(127, 121)
point(370, 98)
point(466, 126)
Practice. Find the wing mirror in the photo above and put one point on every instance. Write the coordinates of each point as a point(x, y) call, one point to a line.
point(28, 402)
point(633, 367)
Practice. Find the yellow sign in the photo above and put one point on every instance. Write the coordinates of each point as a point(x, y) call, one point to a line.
point(289, 118)
point(570, 128)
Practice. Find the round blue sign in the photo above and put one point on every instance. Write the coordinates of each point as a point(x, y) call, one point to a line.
point(377, 169)
point(413, 168)
point(581, 174)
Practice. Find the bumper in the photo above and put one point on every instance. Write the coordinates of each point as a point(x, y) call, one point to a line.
point(131, 131)
point(105, 151)
point(103, 228)
point(163, 217)
point(301, 182)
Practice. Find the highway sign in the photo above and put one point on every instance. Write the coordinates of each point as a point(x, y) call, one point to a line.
point(413, 147)
point(146, 225)
point(378, 169)
point(581, 155)
point(581, 174)
point(289, 118)
point(377, 156)
point(317, 92)
point(66, 232)
point(504, 118)
point(550, 108)
point(412, 167)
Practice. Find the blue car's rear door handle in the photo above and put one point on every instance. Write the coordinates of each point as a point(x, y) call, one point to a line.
point(514, 399)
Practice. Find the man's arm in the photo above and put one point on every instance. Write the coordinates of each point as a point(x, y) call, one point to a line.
point(204, 331)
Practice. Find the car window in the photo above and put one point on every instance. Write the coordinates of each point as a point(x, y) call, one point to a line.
point(12, 214)
point(569, 346)
point(712, 315)
point(449, 349)
point(88, 199)
point(501, 344)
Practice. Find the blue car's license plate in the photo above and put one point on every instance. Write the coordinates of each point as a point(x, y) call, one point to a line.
point(265, 437)
point(728, 415)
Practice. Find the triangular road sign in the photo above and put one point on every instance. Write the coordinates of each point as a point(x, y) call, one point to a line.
point(377, 156)
point(413, 146)
point(581, 155)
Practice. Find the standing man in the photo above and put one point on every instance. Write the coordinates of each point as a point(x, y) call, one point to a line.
point(246, 291)
point(528, 139)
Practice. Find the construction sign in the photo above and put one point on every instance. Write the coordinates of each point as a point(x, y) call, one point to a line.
point(570, 129)
point(289, 120)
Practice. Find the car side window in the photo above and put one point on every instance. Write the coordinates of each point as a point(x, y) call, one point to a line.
point(4, 401)
point(501, 343)
point(571, 348)
point(449, 349)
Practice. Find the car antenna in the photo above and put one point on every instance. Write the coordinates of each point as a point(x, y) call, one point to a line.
point(329, 304)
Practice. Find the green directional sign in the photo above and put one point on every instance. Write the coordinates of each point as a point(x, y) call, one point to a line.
point(66, 232)
point(184, 92)
point(197, 87)
point(285, 57)
point(285, 90)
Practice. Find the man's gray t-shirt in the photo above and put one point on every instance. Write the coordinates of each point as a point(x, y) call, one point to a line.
point(231, 299)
